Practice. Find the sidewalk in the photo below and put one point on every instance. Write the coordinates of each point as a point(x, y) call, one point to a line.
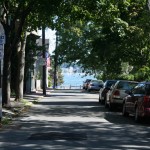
point(10, 115)
point(17, 108)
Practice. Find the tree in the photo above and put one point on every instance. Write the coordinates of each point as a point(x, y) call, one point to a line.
point(17, 18)
point(106, 36)
point(113, 29)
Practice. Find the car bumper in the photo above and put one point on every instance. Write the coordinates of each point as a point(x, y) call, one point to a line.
point(117, 101)
point(94, 88)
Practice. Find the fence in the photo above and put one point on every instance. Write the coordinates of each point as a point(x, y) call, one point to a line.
point(70, 87)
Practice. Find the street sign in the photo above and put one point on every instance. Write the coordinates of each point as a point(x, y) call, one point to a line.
point(1, 46)
point(1, 51)
point(1, 55)
point(2, 39)
point(2, 34)
point(2, 42)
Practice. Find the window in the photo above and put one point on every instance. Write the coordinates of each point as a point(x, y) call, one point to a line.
point(139, 89)
point(147, 89)
point(126, 85)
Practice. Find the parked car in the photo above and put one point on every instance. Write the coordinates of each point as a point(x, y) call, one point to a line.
point(137, 102)
point(117, 92)
point(95, 85)
point(103, 91)
point(85, 83)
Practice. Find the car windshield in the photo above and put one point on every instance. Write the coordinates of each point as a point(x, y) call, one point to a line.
point(97, 82)
point(87, 80)
point(127, 85)
point(109, 83)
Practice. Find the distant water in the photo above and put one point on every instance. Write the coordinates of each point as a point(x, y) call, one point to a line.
point(75, 79)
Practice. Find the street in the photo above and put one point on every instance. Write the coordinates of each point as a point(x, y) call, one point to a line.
point(74, 120)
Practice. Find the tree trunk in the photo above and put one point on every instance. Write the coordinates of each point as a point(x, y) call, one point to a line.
point(6, 78)
point(6, 68)
point(13, 30)
point(20, 69)
point(12, 40)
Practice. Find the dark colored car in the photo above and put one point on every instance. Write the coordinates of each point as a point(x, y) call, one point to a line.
point(85, 83)
point(117, 93)
point(103, 91)
point(138, 102)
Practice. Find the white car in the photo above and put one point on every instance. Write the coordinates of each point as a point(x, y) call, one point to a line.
point(117, 92)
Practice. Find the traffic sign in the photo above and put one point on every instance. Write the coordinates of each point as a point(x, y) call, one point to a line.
point(2, 42)
point(1, 55)
point(1, 51)
point(2, 39)
point(1, 47)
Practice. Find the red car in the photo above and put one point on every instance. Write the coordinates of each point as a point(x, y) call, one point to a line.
point(138, 102)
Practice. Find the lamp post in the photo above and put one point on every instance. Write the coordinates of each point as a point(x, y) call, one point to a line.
point(44, 66)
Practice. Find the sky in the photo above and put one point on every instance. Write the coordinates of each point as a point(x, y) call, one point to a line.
point(49, 34)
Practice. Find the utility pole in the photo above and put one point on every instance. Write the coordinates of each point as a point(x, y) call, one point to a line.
point(56, 62)
point(55, 70)
point(44, 66)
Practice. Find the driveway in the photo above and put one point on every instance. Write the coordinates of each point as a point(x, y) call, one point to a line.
point(74, 120)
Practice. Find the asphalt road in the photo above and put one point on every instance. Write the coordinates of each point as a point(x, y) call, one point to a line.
point(74, 120)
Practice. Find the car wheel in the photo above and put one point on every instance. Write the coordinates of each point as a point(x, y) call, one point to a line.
point(124, 113)
point(137, 118)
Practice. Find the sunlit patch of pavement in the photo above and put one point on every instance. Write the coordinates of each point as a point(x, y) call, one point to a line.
point(66, 119)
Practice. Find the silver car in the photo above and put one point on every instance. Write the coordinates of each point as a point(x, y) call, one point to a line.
point(95, 85)
point(117, 92)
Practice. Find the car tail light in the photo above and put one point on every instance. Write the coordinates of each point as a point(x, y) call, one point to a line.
point(146, 99)
point(116, 94)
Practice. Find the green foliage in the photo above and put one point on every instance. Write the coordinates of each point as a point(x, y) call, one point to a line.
point(98, 35)
point(6, 120)
point(106, 36)
point(26, 102)
point(143, 73)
